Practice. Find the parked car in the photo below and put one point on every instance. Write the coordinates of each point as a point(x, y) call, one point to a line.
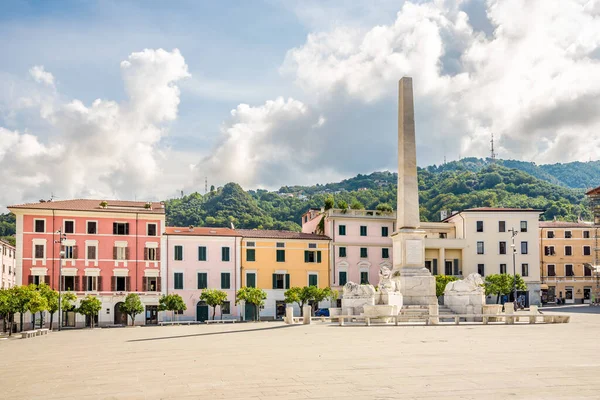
point(322, 312)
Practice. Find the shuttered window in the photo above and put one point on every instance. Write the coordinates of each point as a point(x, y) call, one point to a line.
point(343, 278)
point(250, 255)
point(224, 253)
point(280, 255)
point(385, 253)
point(363, 252)
point(364, 277)
point(363, 230)
point(178, 280)
point(342, 230)
point(251, 279)
point(342, 252)
point(384, 231)
point(202, 280)
point(201, 253)
point(178, 253)
point(225, 280)
point(313, 280)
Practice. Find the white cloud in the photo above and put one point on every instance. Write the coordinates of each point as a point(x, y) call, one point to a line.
point(106, 149)
point(41, 76)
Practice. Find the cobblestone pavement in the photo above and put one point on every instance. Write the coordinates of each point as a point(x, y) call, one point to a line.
point(275, 361)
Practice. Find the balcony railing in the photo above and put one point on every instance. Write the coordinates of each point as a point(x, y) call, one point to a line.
point(336, 212)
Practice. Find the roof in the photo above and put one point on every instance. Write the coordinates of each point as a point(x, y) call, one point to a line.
point(273, 234)
point(200, 231)
point(493, 209)
point(564, 224)
point(123, 206)
point(5, 243)
point(595, 191)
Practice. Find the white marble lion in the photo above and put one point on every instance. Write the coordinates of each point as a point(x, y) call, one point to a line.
point(471, 284)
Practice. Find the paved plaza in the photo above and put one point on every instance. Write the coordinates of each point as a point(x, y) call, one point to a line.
point(275, 361)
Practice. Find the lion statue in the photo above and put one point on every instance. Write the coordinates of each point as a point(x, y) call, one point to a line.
point(387, 283)
point(352, 289)
point(472, 283)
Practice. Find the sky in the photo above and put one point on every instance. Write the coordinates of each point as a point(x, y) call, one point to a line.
point(141, 100)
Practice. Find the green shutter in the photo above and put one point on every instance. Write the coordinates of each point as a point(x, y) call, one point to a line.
point(287, 281)
point(312, 280)
point(343, 278)
point(456, 266)
point(251, 280)
point(201, 253)
point(319, 256)
point(202, 280)
point(435, 270)
point(250, 255)
point(306, 256)
point(225, 280)
point(274, 281)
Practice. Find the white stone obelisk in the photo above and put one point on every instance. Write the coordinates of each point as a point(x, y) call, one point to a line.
point(416, 282)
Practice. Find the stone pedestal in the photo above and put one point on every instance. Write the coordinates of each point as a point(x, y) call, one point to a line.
point(354, 305)
point(392, 299)
point(379, 311)
point(434, 309)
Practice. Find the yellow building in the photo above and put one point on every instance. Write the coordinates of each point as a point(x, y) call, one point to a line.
point(565, 248)
point(278, 260)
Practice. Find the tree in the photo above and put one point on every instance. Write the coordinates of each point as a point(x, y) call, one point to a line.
point(254, 296)
point(213, 298)
point(305, 295)
point(357, 205)
point(132, 306)
point(67, 302)
point(342, 204)
point(8, 307)
point(90, 306)
point(503, 284)
point(329, 202)
point(440, 283)
point(22, 295)
point(171, 302)
point(384, 208)
point(37, 303)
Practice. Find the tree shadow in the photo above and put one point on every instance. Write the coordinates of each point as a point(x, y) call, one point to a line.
point(213, 333)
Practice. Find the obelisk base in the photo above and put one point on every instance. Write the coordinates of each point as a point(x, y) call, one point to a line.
point(417, 285)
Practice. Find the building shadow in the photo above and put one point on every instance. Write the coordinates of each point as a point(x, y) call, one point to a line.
point(213, 333)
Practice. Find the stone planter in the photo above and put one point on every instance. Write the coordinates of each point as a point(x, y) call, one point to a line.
point(492, 309)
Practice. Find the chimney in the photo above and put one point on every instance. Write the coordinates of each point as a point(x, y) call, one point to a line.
point(443, 215)
point(191, 228)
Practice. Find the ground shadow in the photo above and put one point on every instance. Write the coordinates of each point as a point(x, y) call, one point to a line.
point(213, 333)
point(572, 309)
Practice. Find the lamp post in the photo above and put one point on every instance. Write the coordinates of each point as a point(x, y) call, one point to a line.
point(514, 233)
point(61, 238)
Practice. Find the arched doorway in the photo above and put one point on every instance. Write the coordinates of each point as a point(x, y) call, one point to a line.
point(201, 311)
point(120, 317)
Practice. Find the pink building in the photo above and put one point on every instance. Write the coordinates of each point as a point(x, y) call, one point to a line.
point(360, 241)
point(111, 248)
point(202, 258)
point(8, 263)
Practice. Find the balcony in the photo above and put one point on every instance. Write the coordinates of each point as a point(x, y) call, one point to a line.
point(438, 243)
point(336, 212)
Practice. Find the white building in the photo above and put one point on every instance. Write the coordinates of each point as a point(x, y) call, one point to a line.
point(488, 235)
point(8, 264)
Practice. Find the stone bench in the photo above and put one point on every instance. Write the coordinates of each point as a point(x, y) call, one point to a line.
point(44, 331)
point(217, 321)
point(28, 334)
point(166, 323)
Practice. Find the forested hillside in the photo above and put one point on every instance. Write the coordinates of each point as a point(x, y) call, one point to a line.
point(471, 182)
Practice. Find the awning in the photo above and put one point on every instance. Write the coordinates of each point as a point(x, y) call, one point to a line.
point(544, 286)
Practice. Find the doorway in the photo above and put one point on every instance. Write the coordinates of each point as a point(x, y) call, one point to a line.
point(569, 298)
point(151, 315)
point(120, 317)
point(279, 309)
point(587, 295)
point(201, 311)
point(249, 312)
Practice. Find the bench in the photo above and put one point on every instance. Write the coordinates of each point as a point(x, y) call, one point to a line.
point(222, 321)
point(456, 319)
point(166, 323)
point(44, 331)
point(28, 334)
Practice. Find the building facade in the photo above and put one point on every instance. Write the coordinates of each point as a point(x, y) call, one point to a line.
point(198, 259)
point(278, 260)
point(565, 248)
point(8, 263)
point(488, 245)
point(111, 248)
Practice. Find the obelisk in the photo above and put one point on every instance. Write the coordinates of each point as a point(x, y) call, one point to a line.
point(416, 282)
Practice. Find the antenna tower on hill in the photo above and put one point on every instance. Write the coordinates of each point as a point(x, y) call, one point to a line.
point(493, 152)
point(205, 184)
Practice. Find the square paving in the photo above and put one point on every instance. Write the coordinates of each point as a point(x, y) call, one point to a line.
point(276, 361)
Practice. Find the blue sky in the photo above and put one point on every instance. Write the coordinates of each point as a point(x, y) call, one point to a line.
point(145, 98)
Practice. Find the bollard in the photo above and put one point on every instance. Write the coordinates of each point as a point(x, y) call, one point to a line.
point(289, 315)
point(306, 313)
point(533, 310)
point(434, 309)
point(509, 310)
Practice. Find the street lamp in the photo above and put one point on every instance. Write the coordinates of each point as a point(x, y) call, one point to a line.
point(514, 233)
point(61, 238)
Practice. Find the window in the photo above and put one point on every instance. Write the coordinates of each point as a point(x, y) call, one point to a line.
point(385, 253)
point(151, 254)
point(151, 284)
point(226, 307)
point(568, 251)
point(225, 280)
point(343, 278)
point(443, 235)
point(502, 248)
point(364, 277)
point(250, 254)
point(481, 269)
point(39, 225)
point(250, 244)
point(501, 226)
point(38, 279)
point(92, 227)
point(250, 279)
point(312, 256)
point(587, 251)
point(178, 280)
point(151, 230)
point(479, 226)
point(280, 245)
point(480, 248)
point(502, 268)
point(91, 283)
point(342, 252)
point(551, 270)
point(281, 281)
point(69, 227)
point(568, 234)
point(224, 253)
point(586, 234)
point(363, 230)
point(69, 253)
point(120, 228)
point(178, 253)
point(524, 248)
point(363, 252)
point(313, 280)
point(312, 245)
point(120, 253)
point(384, 231)
point(523, 226)
point(69, 283)
point(39, 251)
point(202, 280)
point(524, 269)
point(428, 266)
point(550, 235)
point(120, 283)
point(587, 271)
point(569, 270)
point(448, 268)
point(201, 253)
point(342, 230)
point(549, 251)
point(280, 255)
